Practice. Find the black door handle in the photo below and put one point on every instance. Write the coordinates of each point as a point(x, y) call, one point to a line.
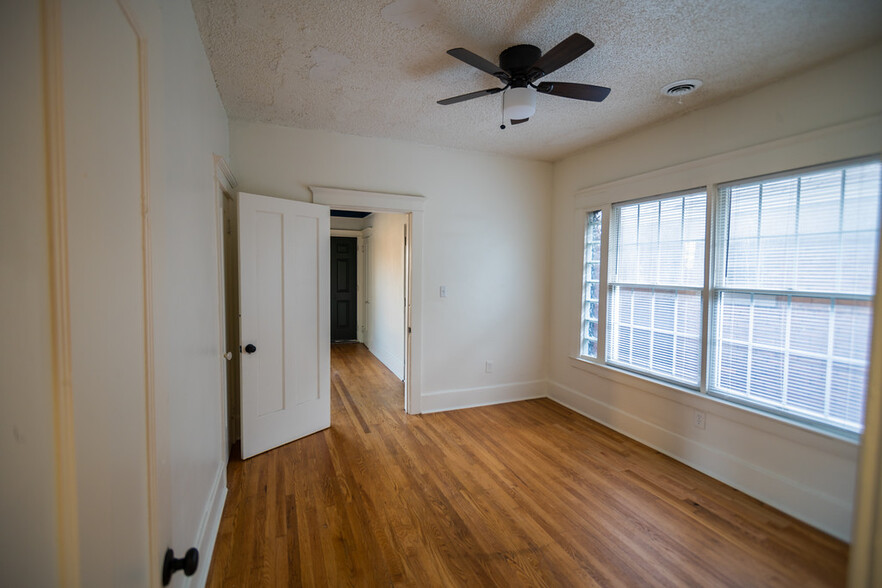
point(250, 348)
point(188, 563)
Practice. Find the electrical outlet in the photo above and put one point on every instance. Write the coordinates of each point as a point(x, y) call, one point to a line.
point(699, 419)
point(488, 367)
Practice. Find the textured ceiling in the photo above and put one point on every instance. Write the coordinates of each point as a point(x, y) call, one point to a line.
point(376, 68)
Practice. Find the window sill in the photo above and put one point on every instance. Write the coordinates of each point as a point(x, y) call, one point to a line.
point(843, 443)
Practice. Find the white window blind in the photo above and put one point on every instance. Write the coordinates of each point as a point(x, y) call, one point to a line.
point(591, 284)
point(656, 275)
point(792, 297)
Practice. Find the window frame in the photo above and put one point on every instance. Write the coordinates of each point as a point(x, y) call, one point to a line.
point(698, 289)
point(604, 200)
point(601, 299)
point(717, 289)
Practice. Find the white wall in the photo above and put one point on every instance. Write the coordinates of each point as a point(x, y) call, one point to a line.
point(28, 515)
point(804, 473)
point(486, 236)
point(385, 294)
point(192, 128)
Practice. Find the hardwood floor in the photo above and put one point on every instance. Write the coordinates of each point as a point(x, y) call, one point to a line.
point(521, 494)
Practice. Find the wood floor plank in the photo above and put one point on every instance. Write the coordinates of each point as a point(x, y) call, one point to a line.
point(520, 494)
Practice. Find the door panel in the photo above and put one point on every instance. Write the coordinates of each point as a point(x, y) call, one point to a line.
point(109, 312)
point(284, 252)
point(302, 328)
point(344, 289)
point(270, 308)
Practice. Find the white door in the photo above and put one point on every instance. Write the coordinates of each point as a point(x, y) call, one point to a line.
point(284, 264)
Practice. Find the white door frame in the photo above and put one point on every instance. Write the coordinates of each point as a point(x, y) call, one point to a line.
point(340, 199)
point(224, 187)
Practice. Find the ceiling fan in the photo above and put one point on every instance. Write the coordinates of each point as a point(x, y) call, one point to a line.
point(520, 67)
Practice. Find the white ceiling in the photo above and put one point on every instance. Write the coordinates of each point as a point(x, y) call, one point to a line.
point(376, 67)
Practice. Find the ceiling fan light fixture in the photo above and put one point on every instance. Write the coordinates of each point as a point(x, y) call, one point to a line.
point(518, 103)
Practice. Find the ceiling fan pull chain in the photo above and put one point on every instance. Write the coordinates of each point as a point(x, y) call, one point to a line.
point(502, 126)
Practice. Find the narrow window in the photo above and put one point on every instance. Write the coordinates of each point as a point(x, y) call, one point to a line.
point(591, 284)
point(793, 292)
point(656, 276)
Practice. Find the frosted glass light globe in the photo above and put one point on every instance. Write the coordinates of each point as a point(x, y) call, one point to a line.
point(518, 103)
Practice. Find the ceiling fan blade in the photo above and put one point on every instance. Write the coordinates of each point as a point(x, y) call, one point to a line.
point(560, 55)
point(571, 90)
point(469, 96)
point(517, 121)
point(479, 62)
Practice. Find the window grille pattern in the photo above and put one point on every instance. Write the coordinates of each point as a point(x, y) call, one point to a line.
point(656, 275)
point(591, 284)
point(793, 288)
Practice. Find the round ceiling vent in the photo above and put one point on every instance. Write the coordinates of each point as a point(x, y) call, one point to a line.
point(681, 88)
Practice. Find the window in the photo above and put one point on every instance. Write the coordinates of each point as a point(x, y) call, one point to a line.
point(793, 292)
point(782, 321)
point(591, 284)
point(656, 275)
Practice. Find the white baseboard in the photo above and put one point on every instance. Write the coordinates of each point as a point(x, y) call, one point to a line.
point(820, 510)
point(208, 528)
point(482, 396)
point(392, 361)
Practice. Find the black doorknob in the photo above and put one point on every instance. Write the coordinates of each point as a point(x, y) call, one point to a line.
point(250, 348)
point(188, 563)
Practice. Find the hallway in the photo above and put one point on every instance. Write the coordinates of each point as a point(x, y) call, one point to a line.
point(527, 493)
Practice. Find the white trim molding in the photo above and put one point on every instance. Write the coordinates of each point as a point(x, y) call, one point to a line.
point(206, 537)
point(224, 185)
point(224, 175)
point(62, 391)
point(483, 396)
point(838, 142)
point(374, 201)
point(822, 440)
point(865, 557)
point(389, 359)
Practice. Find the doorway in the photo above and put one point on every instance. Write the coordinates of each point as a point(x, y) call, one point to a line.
point(229, 277)
point(369, 290)
point(410, 318)
point(412, 208)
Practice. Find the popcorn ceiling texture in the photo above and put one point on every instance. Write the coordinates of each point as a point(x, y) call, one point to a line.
point(376, 68)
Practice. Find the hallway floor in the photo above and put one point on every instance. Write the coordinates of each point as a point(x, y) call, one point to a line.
point(520, 494)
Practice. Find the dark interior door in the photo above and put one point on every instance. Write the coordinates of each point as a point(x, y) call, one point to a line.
point(344, 289)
